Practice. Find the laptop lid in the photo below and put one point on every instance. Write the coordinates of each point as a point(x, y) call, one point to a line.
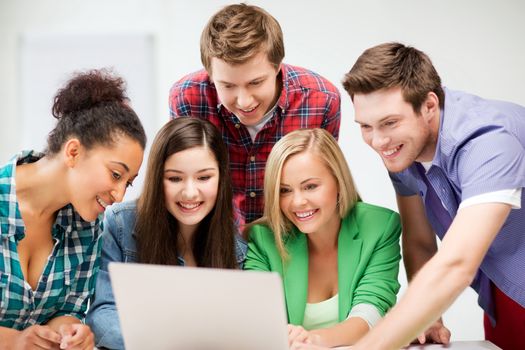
point(187, 308)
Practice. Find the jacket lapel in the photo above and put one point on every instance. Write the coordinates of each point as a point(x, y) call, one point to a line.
point(349, 252)
point(295, 276)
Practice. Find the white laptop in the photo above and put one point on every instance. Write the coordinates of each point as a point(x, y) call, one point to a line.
point(186, 308)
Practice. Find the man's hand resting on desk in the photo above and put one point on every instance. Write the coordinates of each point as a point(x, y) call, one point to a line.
point(437, 333)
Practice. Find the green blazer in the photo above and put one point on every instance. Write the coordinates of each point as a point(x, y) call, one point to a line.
point(368, 261)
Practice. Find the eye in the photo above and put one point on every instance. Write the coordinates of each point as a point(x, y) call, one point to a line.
point(174, 179)
point(227, 86)
point(255, 83)
point(204, 178)
point(391, 123)
point(129, 184)
point(284, 190)
point(310, 187)
point(116, 175)
point(365, 127)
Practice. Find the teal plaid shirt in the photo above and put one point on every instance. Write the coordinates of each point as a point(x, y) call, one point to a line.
point(68, 278)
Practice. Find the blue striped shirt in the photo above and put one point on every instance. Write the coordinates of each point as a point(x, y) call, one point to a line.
point(68, 278)
point(480, 149)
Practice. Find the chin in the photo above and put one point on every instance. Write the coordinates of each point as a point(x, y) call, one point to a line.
point(396, 167)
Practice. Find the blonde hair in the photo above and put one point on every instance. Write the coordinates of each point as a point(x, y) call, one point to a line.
point(238, 32)
point(321, 143)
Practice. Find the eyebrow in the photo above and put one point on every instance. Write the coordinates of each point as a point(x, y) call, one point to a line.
point(380, 120)
point(124, 165)
point(302, 182)
point(264, 76)
point(182, 172)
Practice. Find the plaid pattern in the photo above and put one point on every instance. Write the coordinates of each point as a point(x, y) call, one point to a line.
point(68, 278)
point(307, 101)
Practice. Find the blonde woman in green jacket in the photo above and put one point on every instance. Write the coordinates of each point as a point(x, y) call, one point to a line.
point(338, 257)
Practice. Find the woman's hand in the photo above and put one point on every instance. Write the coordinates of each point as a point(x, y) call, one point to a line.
point(300, 335)
point(76, 336)
point(41, 337)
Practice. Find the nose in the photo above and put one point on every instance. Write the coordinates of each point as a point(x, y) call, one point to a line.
point(118, 193)
point(190, 190)
point(244, 99)
point(380, 140)
point(298, 199)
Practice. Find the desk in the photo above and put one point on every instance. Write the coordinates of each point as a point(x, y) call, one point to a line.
point(455, 345)
point(463, 345)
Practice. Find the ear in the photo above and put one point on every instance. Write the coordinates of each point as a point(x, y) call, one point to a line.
point(72, 151)
point(430, 107)
point(279, 68)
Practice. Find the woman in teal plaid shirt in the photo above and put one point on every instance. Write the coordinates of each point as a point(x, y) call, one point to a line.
point(51, 205)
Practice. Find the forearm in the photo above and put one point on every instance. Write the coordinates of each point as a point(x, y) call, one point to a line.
point(419, 240)
point(344, 333)
point(415, 255)
point(431, 292)
point(6, 337)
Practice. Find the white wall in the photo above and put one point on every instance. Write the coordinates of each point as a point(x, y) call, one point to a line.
point(476, 45)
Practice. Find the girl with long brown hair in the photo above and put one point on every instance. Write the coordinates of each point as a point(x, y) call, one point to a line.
point(183, 217)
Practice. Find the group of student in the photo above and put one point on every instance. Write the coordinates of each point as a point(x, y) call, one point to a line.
point(251, 155)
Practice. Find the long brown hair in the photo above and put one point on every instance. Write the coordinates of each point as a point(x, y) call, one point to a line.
point(156, 229)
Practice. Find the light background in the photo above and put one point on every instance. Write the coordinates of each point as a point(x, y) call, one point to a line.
point(477, 46)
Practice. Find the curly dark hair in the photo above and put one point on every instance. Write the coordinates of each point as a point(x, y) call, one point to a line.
point(93, 107)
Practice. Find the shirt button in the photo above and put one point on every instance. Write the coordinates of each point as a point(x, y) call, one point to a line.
point(252, 158)
point(252, 194)
point(237, 125)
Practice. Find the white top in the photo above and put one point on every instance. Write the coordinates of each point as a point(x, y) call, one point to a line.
point(254, 129)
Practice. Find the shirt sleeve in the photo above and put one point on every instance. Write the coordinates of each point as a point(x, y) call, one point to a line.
point(379, 285)
point(512, 197)
point(367, 312)
point(256, 256)
point(332, 117)
point(491, 162)
point(102, 316)
point(404, 185)
point(178, 104)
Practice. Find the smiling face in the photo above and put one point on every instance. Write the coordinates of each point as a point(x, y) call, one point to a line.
point(308, 194)
point(191, 181)
point(391, 127)
point(99, 176)
point(248, 90)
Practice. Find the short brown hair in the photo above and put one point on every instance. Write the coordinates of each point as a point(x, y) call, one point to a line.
point(395, 65)
point(239, 32)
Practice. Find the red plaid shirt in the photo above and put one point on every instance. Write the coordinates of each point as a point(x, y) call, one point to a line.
point(307, 101)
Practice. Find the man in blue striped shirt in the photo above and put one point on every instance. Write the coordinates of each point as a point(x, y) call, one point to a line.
point(457, 163)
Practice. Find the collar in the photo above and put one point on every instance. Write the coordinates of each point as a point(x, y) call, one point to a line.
point(67, 218)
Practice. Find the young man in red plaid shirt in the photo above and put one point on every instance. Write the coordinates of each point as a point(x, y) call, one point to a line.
point(252, 97)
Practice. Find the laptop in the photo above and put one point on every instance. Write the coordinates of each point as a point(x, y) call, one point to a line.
point(187, 308)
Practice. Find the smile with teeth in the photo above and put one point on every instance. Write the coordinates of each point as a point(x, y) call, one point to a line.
point(189, 206)
point(248, 110)
point(391, 151)
point(102, 203)
point(302, 215)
